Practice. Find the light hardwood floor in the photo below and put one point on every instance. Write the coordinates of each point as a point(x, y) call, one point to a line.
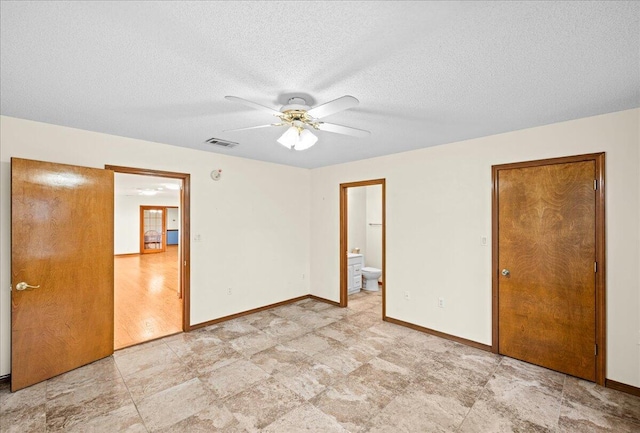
point(147, 305)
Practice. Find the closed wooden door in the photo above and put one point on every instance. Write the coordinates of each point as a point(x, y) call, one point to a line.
point(62, 244)
point(547, 265)
point(152, 229)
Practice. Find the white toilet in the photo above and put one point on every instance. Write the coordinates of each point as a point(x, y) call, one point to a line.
point(371, 276)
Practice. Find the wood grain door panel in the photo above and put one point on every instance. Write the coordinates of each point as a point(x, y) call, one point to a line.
point(547, 242)
point(61, 240)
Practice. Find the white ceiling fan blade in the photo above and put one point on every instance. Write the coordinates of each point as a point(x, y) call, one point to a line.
point(251, 127)
point(334, 106)
point(347, 130)
point(253, 105)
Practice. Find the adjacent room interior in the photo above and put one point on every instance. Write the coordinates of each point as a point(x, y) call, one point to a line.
point(365, 228)
point(148, 299)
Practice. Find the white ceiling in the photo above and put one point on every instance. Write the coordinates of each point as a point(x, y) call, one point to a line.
point(132, 185)
point(426, 73)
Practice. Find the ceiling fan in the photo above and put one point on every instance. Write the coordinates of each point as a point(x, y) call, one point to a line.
point(300, 118)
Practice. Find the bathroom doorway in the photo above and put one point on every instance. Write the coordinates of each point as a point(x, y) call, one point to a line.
point(363, 241)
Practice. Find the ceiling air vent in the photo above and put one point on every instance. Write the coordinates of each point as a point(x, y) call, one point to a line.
point(221, 143)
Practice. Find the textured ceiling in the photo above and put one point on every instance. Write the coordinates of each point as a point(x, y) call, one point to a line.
point(426, 73)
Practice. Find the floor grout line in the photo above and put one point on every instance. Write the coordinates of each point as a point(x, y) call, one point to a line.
point(484, 389)
point(144, 424)
point(46, 401)
point(561, 400)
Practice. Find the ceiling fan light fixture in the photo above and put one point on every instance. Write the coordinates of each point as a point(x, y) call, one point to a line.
point(300, 118)
point(305, 140)
point(289, 138)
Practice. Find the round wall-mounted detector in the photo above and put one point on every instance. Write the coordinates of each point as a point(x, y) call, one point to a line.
point(215, 174)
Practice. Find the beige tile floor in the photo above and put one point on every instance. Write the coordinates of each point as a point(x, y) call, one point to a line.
point(312, 367)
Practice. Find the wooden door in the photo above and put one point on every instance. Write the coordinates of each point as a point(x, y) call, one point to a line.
point(546, 270)
point(61, 243)
point(153, 237)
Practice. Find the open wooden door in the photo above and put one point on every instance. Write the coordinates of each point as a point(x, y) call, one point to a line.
point(62, 269)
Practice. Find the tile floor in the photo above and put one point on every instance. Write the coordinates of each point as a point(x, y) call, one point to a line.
point(312, 367)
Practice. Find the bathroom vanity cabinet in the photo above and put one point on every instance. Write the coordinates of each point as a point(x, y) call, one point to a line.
point(354, 272)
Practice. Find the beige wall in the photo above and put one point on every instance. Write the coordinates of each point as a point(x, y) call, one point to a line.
point(439, 206)
point(254, 222)
point(282, 222)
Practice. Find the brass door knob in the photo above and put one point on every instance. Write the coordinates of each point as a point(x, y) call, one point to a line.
point(24, 286)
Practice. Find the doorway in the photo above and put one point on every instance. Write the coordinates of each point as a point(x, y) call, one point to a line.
point(353, 260)
point(549, 264)
point(151, 280)
point(153, 229)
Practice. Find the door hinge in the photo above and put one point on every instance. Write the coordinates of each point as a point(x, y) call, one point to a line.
point(595, 184)
point(185, 263)
point(595, 266)
point(595, 351)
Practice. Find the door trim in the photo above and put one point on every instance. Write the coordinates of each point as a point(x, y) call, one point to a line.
point(343, 239)
point(600, 286)
point(185, 235)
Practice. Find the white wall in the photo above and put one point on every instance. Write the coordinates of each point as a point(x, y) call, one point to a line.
point(374, 231)
point(364, 205)
point(253, 223)
point(173, 217)
point(127, 219)
point(439, 205)
point(638, 222)
point(357, 219)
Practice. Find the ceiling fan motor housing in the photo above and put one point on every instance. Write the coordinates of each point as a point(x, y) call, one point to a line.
point(298, 104)
point(295, 114)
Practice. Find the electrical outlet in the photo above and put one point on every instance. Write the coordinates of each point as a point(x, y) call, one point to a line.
point(441, 302)
point(229, 292)
point(407, 295)
point(483, 241)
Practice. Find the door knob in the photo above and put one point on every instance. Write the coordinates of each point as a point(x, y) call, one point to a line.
point(506, 272)
point(24, 286)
